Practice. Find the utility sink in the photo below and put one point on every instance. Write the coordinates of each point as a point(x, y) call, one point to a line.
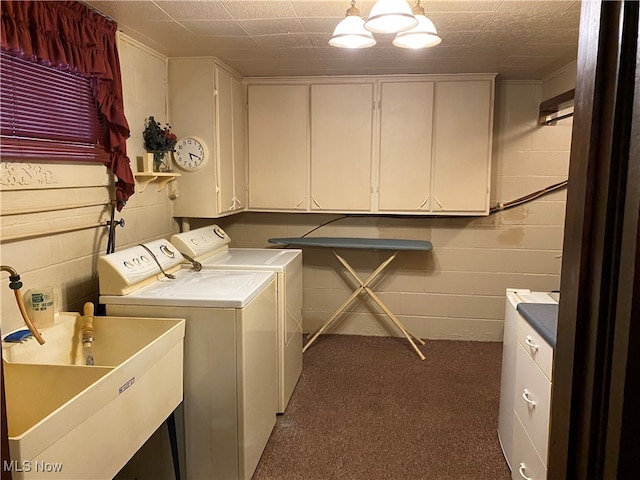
point(73, 421)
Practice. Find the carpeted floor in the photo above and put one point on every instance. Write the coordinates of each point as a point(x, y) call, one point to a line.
point(367, 408)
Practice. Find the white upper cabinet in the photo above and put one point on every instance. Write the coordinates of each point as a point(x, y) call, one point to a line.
point(341, 129)
point(278, 147)
point(462, 146)
point(204, 101)
point(391, 144)
point(406, 122)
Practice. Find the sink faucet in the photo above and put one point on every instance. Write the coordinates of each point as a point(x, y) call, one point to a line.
point(15, 284)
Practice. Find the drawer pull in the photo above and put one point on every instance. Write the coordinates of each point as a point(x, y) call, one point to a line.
point(522, 471)
point(529, 341)
point(525, 395)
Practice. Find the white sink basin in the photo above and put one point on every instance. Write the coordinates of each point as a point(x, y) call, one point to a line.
point(68, 420)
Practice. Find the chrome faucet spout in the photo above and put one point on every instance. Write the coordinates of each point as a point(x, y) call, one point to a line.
point(15, 284)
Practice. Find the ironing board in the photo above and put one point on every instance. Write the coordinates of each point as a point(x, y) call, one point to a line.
point(393, 245)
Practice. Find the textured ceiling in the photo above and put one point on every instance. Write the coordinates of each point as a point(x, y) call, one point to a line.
point(518, 39)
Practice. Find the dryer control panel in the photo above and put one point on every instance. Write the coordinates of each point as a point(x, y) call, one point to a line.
point(202, 242)
point(124, 271)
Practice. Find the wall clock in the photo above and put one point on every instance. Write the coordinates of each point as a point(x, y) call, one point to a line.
point(190, 153)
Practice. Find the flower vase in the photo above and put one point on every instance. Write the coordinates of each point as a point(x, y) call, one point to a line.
point(161, 162)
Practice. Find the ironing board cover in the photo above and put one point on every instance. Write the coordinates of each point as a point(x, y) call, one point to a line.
point(353, 242)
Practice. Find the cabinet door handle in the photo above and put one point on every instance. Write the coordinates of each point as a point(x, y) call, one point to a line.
point(438, 202)
point(525, 395)
point(300, 202)
point(522, 471)
point(314, 201)
point(425, 202)
point(529, 341)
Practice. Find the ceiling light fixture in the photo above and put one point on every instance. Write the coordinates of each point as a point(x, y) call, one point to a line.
point(423, 35)
point(350, 32)
point(390, 16)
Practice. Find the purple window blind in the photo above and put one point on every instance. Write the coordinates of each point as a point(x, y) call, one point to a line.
point(48, 114)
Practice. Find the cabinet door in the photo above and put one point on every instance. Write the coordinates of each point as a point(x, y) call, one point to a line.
point(192, 111)
point(278, 146)
point(341, 128)
point(462, 150)
point(239, 145)
point(406, 111)
point(224, 143)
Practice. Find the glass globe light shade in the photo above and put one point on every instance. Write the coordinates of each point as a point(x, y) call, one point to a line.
point(390, 16)
point(422, 35)
point(350, 33)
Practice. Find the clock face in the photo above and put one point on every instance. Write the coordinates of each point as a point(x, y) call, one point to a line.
point(190, 153)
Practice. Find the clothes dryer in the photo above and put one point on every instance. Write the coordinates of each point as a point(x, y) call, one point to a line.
point(230, 361)
point(210, 247)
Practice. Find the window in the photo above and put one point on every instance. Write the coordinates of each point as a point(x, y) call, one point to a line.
point(48, 114)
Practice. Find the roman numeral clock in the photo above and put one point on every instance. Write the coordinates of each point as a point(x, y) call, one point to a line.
point(190, 153)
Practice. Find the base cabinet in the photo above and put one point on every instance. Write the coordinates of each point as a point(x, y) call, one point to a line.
point(527, 465)
point(525, 389)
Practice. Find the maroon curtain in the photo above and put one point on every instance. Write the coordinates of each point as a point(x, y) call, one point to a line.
point(70, 36)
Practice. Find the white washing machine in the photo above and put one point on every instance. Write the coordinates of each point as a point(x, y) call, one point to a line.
point(230, 396)
point(210, 246)
point(509, 348)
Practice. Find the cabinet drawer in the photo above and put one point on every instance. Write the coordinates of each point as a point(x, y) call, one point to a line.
point(535, 346)
point(532, 398)
point(526, 463)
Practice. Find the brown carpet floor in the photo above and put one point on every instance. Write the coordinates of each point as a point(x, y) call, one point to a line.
point(367, 408)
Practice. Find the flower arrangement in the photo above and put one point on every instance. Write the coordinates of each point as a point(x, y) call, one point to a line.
point(158, 140)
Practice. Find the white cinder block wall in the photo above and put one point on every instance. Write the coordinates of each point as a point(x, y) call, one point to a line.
point(457, 291)
point(68, 261)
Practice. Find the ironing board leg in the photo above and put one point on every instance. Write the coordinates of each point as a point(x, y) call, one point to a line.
point(397, 323)
point(333, 317)
point(364, 286)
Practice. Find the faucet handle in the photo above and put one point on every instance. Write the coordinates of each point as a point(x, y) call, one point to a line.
point(87, 325)
point(88, 309)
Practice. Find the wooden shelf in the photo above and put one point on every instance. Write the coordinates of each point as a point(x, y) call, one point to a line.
point(162, 178)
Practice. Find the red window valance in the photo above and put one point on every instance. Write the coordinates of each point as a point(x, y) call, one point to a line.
point(68, 35)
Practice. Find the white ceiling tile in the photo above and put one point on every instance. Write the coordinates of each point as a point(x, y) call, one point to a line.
point(267, 27)
point(321, 40)
point(226, 41)
point(207, 27)
point(319, 25)
point(318, 8)
point(195, 10)
point(259, 10)
point(283, 40)
point(460, 6)
point(515, 38)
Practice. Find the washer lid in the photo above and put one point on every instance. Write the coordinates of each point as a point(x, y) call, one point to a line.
point(207, 288)
point(258, 258)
